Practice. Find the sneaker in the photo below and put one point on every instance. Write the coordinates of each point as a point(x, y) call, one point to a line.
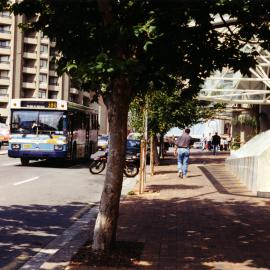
point(180, 174)
point(184, 176)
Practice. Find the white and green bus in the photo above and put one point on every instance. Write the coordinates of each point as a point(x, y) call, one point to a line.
point(52, 129)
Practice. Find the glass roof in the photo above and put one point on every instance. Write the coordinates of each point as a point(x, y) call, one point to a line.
point(232, 87)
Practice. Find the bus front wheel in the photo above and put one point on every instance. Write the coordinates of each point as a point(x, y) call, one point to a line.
point(24, 161)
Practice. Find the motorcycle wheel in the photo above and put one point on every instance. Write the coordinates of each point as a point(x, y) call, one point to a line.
point(97, 167)
point(131, 170)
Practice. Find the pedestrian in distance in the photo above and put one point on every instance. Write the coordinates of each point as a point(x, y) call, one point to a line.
point(215, 143)
point(209, 140)
point(204, 142)
point(182, 150)
point(226, 145)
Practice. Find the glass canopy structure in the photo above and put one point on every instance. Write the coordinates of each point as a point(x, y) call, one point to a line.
point(230, 87)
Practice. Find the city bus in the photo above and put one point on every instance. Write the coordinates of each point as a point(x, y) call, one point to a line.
point(52, 129)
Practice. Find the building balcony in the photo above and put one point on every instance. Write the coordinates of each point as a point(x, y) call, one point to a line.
point(53, 73)
point(31, 70)
point(54, 87)
point(5, 35)
point(86, 94)
point(43, 70)
point(4, 98)
point(43, 85)
point(6, 19)
point(74, 91)
point(31, 55)
point(44, 55)
point(30, 40)
point(5, 65)
point(5, 50)
point(4, 112)
point(4, 81)
point(29, 85)
point(45, 40)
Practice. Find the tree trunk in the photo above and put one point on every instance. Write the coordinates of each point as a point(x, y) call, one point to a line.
point(156, 156)
point(152, 155)
point(161, 147)
point(106, 223)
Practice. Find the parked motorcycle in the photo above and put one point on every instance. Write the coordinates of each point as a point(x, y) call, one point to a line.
point(99, 161)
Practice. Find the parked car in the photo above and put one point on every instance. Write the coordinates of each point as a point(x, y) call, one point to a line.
point(134, 136)
point(134, 147)
point(198, 145)
point(103, 141)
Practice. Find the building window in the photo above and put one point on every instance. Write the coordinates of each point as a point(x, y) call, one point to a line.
point(4, 74)
point(53, 52)
point(30, 33)
point(29, 48)
point(43, 63)
point(5, 13)
point(53, 95)
point(4, 44)
point(41, 94)
point(28, 78)
point(4, 58)
point(5, 29)
point(53, 66)
point(53, 80)
point(42, 78)
point(44, 48)
point(3, 91)
point(30, 63)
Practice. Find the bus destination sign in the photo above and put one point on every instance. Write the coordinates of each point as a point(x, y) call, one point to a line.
point(39, 104)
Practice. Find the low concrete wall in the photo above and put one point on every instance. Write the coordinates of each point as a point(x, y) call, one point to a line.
point(251, 164)
point(246, 170)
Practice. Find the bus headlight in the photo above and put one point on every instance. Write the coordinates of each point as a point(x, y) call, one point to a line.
point(58, 147)
point(15, 146)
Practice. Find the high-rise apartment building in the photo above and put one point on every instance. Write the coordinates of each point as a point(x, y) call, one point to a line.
point(27, 69)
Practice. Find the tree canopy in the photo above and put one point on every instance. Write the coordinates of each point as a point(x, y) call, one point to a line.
point(167, 111)
point(156, 44)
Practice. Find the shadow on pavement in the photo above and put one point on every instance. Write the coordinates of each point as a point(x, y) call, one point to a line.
point(197, 233)
point(27, 229)
point(179, 187)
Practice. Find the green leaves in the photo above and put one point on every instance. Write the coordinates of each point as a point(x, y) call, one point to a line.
point(155, 45)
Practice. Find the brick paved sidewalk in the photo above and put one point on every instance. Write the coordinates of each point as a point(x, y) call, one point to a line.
point(206, 221)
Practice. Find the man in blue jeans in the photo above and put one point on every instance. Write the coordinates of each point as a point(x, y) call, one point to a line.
point(182, 149)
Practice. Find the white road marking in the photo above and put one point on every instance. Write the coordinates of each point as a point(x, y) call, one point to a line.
point(26, 181)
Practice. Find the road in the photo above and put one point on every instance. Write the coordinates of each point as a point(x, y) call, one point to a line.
point(38, 202)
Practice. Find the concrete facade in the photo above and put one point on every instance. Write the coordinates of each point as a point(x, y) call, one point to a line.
point(26, 67)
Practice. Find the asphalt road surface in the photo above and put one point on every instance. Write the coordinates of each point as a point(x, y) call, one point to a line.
point(38, 202)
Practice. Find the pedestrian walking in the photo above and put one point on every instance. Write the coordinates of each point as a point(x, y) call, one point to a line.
point(215, 143)
point(204, 142)
point(226, 145)
point(182, 150)
point(209, 144)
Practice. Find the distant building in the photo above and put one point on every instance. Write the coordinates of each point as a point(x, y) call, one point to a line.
point(26, 67)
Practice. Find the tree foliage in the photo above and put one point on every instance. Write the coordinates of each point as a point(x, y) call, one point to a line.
point(167, 111)
point(156, 44)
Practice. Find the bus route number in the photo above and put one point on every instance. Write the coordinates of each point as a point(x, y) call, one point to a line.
point(52, 105)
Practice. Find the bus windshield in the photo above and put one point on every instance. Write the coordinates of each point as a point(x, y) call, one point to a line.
point(38, 122)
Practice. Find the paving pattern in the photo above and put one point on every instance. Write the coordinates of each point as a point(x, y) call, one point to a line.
point(208, 221)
